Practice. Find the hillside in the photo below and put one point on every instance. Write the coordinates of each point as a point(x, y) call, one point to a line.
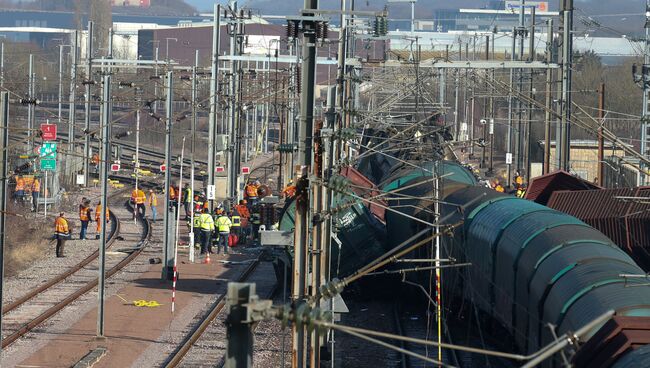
point(158, 7)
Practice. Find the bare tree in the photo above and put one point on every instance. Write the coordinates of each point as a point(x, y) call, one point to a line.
point(100, 13)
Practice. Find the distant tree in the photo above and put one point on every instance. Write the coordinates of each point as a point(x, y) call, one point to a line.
point(100, 12)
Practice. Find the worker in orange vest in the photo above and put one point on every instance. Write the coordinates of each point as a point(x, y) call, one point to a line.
point(19, 194)
point(173, 200)
point(61, 233)
point(138, 198)
point(251, 192)
point(98, 217)
point(36, 192)
point(84, 217)
point(289, 191)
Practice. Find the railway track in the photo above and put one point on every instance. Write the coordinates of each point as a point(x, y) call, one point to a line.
point(205, 344)
point(36, 307)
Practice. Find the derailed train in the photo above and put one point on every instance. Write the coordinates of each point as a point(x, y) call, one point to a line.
point(531, 266)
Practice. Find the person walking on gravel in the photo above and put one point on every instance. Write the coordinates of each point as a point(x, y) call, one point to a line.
point(36, 192)
point(61, 233)
point(153, 203)
point(84, 217)
point(138, 198)
point(98, 218)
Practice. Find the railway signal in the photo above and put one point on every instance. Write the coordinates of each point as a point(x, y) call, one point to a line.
point(163, 167)
point(219, 169)
point(115, 167)
point(245, 170)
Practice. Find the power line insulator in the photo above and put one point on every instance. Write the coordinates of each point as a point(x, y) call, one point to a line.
point(293, 28)
point(322, 30)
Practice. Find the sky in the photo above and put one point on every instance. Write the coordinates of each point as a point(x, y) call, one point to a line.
point(605, 18)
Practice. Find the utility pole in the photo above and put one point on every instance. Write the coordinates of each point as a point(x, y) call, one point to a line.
point(567, 64)
point(234, 153)
point(168, 245)
point(4, 171)
point(60, 91)
point(490, 170)
point(302, 221)
point(155, 85)
point(601, 137)
point(510, 122)
point(531, 96)
point(485, 106)
point(137, 148)
point(521, 35)
point(456, 101)
point(88, 82)
point(2, 65)
point(645, 119)
point(214, 101)
point(549, 97)
point(193, 146)
point(72, 107)
point(32, 104)
point(105, 125)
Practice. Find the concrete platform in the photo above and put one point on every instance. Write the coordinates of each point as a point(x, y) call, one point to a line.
point(129, 329)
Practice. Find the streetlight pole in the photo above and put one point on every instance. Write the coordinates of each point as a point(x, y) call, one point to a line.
point(214, 98)
point(88, 82)
point(104, 184)
point(167, 46)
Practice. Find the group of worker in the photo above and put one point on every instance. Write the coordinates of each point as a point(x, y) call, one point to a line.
point(227, 229)
point(518, 183)
point(63, 232)
point(26, 189)
point(85, 217)
point(140, 201)
point(219, 227)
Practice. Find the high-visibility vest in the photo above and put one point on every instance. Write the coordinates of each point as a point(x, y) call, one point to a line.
point(84, 213)
point(172, 193)
point(243, 210)
point(20, 184)
point(207, 223)
point(499, 189)
point(519, 180)
point(187, 195)
point(138, 196)
point(61, 225)
point(98, 213)
point(223, 223)
point(153, 200)
point(36, 186)
point(236, 221)
point(197, 221)
point(289, 191)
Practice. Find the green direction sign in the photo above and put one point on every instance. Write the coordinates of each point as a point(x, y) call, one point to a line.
point(48, 150)
point(48, 164)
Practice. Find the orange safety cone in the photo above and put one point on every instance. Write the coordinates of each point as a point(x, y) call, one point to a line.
point(207, 259)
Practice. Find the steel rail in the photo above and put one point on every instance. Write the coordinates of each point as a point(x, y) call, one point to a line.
point(176, 358)
point(115, 231)
point(146, 235)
